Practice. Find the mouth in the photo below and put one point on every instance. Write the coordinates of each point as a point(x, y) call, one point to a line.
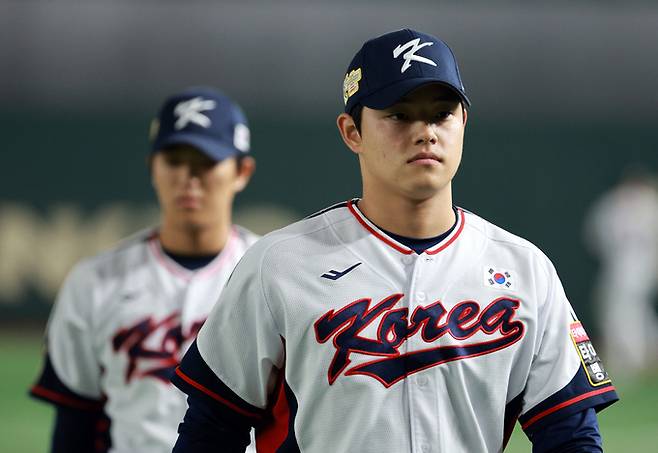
point(425, 158)
point(188, 202)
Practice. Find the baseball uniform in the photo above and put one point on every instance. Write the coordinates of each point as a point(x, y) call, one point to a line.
point(120, 324)
point(357, 343)
point(123, 319)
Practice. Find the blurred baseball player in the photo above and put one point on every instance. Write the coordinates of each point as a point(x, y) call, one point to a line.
point(123, 319)
point(396, 322)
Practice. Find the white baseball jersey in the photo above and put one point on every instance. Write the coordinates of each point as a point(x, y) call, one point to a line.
point(120, 325)
point(340, 339)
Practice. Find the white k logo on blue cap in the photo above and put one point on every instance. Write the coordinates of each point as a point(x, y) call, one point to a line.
point(190, 112)
point(410, 56)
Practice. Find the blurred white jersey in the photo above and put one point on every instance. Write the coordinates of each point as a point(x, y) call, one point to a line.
point(120, 325)
point(358, 344)
point(622, 229)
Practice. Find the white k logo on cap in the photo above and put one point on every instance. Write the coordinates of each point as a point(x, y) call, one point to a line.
point(410, 56)
point(190, 112)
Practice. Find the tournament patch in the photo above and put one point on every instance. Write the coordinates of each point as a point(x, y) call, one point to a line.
point(351, 83)
point(498, 278)
point(588, 356)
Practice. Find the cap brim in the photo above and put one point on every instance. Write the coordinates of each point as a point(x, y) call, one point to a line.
point(212, 148)
point(391, 94)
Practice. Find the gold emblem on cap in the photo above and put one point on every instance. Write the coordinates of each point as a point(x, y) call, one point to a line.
point(154, 129)
point(351, 83)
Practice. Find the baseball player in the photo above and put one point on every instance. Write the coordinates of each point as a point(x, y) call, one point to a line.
point(394, 322)
point(123, 319)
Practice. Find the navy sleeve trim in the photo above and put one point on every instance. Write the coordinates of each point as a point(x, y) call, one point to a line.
point(600, 400)
point(51, 389)
point(194, 377)
point(189, 381)
point(79, 431)
point(576, 433)
point(576, 396)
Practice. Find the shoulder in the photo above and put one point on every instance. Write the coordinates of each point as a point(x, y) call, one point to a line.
point(245, 236)
point(498, 240)
point(128, 254)
point(308, 236)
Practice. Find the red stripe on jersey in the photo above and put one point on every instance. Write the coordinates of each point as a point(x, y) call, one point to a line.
point(269, 439)
point(154, 245)
point(360, 218)
point(227, 252)
point(462, 221)
point(214, 395)
point(64, 400)
point(573, 400)
point(377, 234)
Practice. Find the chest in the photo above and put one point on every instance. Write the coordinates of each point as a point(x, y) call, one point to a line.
point(420, 315)
point(145, 325)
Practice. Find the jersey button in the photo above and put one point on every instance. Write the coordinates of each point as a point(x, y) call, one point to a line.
point(425, 448)
point(422, 381)
point(421, 296)
point(407, 259)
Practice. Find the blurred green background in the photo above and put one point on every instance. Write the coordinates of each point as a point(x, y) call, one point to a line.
point(564, 98)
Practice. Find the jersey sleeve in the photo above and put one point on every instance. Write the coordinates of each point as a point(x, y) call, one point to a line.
point(71, 372)
point(239, 352)
point(566, 375)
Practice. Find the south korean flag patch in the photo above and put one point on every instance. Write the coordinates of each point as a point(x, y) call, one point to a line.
point(591, 361)
point(495, 277)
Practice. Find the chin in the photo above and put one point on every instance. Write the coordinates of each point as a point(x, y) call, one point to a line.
point(192, 222)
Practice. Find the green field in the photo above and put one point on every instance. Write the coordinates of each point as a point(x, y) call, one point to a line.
point(628, 426)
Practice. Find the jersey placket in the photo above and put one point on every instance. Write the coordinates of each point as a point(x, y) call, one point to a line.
point(421, 397)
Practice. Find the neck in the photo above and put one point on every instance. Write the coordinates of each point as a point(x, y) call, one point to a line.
point(418, 219)
point(185, 240)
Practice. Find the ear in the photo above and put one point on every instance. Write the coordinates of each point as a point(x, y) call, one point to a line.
point(150, 162)
point(348, 132)
point(245, 169)
point(464, 114)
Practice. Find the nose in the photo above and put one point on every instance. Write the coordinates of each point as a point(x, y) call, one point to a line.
point(426, 134)
point(190, 174)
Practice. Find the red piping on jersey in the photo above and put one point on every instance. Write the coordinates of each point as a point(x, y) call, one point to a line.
point(462, 221)
point(214, 395)
point(395, 245)
point(381, 237)
point(565, 404)
point(270, 439)
point(184, 273)
point(226, 253)
point(59, 398)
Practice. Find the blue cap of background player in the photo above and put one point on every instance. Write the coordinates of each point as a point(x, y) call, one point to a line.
point(204, 118)
point(390, 66)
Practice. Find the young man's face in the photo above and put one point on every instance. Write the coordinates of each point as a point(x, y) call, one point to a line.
point(413, 148)
point(195, 191)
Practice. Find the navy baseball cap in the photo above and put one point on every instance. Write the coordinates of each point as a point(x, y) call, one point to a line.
point(390, 66)
point(204, 118)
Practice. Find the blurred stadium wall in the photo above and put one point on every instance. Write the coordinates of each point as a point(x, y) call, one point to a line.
point(564, 96)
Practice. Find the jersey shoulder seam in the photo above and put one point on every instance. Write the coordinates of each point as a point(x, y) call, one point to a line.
point(263, 256)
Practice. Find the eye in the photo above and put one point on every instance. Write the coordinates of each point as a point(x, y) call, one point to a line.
point(173, 159)
point(398, 116)
point(441, 116)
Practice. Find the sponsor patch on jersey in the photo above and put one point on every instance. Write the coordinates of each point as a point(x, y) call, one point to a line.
point(351, 83)
point(588, 356)
point(498, 278)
